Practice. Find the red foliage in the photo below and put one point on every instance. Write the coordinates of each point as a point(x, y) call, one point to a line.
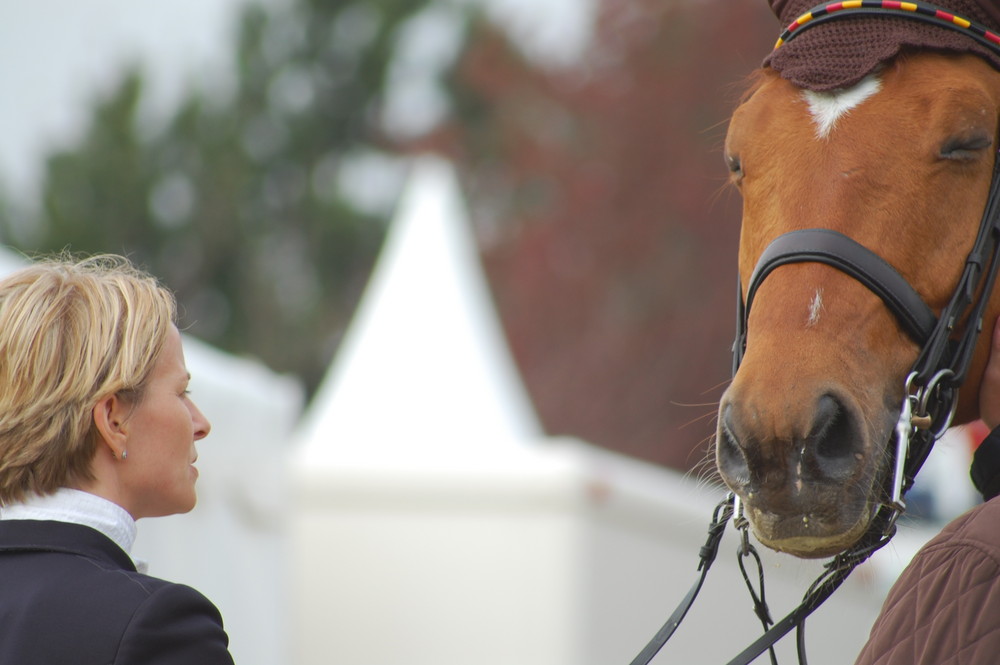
point(608, 234)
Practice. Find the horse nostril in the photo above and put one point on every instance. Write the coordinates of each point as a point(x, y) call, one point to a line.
point(833, 442)
point(730, 458)
point(825, 447)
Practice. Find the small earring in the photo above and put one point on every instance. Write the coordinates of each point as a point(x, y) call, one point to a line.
point(124, 455)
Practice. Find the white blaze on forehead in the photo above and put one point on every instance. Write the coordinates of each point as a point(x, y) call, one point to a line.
point(829, 107)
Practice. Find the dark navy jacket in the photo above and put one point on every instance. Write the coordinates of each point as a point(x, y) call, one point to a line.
point(71, 596)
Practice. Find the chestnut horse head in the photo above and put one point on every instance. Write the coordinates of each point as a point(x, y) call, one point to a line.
point(901, 164)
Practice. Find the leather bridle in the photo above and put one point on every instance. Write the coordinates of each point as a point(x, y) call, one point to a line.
point(947, 341)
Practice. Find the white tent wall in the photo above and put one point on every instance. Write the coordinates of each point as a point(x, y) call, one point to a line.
point(10, 260)
point(560, 555)
point(434, 523)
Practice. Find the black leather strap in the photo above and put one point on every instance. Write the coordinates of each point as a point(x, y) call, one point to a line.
point(723, 513)
point(837, 250)
point(836, 571)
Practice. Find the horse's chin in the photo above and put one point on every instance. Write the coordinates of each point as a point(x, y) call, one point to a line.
point(807, 538)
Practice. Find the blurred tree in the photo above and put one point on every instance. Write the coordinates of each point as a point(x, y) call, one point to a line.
point(240, 203)
point(608, 235)
point(594, 189)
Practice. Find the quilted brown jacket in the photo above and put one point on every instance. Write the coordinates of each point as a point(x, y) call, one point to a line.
point(945, 607)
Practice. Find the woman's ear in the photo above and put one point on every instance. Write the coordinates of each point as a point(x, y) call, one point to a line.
point(110, 414)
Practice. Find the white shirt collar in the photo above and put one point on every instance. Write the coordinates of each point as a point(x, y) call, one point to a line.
point(77, 507)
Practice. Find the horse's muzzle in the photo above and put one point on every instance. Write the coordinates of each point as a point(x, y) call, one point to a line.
point(805, 475)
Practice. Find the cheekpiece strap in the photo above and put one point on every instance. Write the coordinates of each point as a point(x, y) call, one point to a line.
point(839, 251)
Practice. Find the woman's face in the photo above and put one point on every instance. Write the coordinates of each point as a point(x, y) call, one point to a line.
point(158, 475)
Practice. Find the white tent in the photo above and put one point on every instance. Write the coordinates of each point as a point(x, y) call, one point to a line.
point(423, 370)
point(433, 522)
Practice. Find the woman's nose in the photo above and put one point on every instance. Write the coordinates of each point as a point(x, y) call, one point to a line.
point(201, 425)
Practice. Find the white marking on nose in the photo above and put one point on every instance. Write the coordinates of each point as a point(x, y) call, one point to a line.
point(829, 107)
point(815, 308)
point(798, 471)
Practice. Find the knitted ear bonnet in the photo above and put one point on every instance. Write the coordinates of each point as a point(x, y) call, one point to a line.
point(838, 54)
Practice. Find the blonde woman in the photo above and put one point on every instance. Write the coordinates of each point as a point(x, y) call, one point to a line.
point(97, 430)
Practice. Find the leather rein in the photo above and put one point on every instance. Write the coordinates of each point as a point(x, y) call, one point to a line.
point(931, 388)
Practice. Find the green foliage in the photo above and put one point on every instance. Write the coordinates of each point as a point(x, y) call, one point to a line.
point(236, 203)
point(594, 190)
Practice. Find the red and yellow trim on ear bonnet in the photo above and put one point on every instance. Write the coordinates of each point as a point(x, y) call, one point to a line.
point(875, 7)
point(820, 54)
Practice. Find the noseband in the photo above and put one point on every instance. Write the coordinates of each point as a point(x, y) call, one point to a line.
point(947, 341)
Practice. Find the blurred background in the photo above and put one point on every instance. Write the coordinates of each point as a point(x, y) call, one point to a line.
point(256, 155)
point(251, 154)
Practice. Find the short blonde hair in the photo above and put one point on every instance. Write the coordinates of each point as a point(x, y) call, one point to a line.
point(71, 333)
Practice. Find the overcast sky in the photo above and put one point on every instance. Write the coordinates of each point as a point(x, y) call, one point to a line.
point(56, 56)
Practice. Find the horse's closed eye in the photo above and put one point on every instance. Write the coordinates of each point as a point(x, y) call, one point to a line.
point(965, 148)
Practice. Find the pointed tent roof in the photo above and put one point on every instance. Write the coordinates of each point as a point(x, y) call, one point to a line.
point(424, 370)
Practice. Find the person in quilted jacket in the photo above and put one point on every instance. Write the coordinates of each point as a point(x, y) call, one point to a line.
point(945, 607)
